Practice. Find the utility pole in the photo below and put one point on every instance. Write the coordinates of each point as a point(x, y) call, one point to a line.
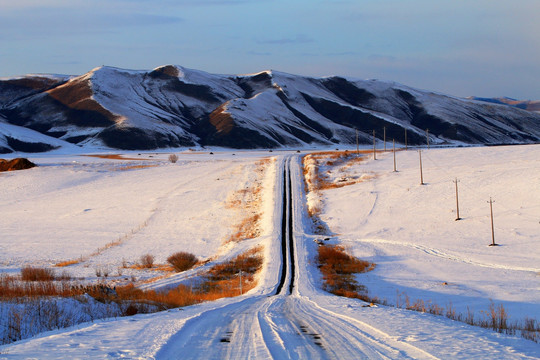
point(457, 201)
point(421, 174)
point(384, 137)
point(374, 151)
point(357, 150)
point(492, 227)
point(427, 137)
point(394, 151)
point(405, 139)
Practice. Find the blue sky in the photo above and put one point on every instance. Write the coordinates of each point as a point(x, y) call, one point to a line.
point(483, 48)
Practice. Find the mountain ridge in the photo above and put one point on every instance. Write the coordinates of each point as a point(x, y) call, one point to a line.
point(172, 106)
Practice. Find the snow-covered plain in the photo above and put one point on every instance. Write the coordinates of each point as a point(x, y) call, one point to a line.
point(409, 230)
point(71, 206)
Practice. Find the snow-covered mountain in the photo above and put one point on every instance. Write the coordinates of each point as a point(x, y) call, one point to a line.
point(172, 106)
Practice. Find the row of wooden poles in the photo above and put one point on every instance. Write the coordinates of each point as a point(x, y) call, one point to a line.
point(422, 174)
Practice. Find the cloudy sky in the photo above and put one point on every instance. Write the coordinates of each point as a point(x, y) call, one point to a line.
point(459, 47)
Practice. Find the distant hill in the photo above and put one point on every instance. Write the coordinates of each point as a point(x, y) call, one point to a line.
point(531, 105)
point(172, 106)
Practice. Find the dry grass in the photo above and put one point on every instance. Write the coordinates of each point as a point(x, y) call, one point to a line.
point(248, 201)
point(67, 263)
point(495, 318)
point(12, 287)
point(247, 229)
point(40, 293)
point(37, 274)
point(317, 180)
point(340, 160)
point(220, 281)
point(223, 280)
point(147, 261)
point(338, 269)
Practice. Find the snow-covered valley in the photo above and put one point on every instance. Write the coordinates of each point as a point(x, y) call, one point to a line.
point(72, 206)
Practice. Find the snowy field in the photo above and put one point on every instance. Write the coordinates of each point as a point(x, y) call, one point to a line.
point(409, 230)
point(71, 206)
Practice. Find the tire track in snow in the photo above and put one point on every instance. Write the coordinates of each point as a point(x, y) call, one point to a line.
point(288, 268)
point(439, 253)
point(356, 335)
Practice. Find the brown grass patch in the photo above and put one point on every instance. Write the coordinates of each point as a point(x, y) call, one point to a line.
point(16, 164)
point(222, 120)
point(37, 274)
point(316, 180)
point(11, 287)
point(223, 280)
point(338, 269)
point(67, 263)
point(246, 229)
point(248, 201)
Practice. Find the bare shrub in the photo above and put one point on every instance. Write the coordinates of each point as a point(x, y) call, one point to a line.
point(147, 261)
point(173, 158)
point(30, 273)
point(182, 261)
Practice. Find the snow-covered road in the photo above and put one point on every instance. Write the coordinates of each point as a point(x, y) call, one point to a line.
point(279, 322)
point(282, 324)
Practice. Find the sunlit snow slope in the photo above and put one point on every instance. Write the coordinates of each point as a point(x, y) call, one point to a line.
point(172, 106)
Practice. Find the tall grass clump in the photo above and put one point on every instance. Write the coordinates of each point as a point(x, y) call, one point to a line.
point(30, 273)
point(338, 269)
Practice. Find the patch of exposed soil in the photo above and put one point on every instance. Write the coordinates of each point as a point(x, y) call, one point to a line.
point(16, 164)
